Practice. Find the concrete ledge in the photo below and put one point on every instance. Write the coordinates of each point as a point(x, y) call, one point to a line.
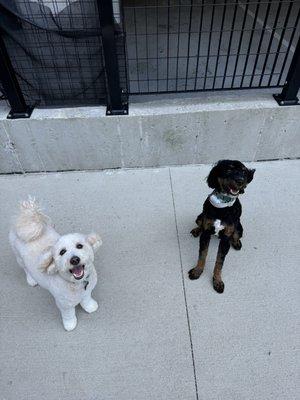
point(160, 130)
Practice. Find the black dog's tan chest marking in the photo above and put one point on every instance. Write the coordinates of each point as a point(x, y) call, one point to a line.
point(214, 226)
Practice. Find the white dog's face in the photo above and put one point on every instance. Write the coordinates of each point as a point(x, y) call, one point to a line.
point(72, 256)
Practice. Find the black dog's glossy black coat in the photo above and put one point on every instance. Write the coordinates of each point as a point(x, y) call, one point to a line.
point(225, 176)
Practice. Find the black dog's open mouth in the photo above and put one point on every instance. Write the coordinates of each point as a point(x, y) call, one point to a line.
point(234, 191)
point(77, 271)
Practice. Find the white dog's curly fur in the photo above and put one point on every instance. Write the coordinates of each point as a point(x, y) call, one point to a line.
point(61, 264)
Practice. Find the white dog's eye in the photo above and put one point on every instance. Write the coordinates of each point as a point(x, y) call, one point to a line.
point(79, 246)
point(62, 252)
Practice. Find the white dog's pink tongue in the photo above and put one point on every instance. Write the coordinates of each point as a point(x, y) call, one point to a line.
point(77, 271)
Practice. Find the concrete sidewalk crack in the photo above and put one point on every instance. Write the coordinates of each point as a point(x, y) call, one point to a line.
point(184, 288)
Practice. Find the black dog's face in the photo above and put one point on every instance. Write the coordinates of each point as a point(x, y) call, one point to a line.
point(230, 176)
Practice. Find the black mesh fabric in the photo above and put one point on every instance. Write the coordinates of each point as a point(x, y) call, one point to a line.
point(56, 51)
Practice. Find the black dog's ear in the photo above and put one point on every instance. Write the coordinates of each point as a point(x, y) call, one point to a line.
point(250, 174)
point(212, 179)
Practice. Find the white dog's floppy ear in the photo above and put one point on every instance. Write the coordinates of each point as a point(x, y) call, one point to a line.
point(94, 240)
point(47, 262)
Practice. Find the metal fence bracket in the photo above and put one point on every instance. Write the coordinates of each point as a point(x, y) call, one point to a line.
point(23, 114)
point(11, 87)
point(115, 103)
point(280, 100)
point(112, 111)
point(288, 96)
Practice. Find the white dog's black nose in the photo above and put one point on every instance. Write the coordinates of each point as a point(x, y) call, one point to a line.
point(75, 260)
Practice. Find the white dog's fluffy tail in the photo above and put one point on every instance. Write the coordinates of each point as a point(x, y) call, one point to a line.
point(30, 222)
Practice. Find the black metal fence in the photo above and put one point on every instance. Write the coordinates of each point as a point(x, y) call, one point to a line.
point(63, 53)
point(81, 52)
point(193, 45)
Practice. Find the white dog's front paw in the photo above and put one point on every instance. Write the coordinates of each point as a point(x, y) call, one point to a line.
point(89, 305)
point(30, 280)
point(70, 324)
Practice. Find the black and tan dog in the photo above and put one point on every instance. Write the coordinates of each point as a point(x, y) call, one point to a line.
point(221, 215)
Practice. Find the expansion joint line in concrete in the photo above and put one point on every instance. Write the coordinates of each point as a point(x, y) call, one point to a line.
point(184, 289)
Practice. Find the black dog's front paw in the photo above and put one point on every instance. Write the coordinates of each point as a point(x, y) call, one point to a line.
point(195, 273)
point(237, 245)
point(218, 286)
point(195, 232)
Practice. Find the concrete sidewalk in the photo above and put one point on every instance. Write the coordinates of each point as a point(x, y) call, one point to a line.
point(156, 334)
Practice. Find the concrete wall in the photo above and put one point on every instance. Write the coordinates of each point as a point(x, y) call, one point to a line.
point(159, 131)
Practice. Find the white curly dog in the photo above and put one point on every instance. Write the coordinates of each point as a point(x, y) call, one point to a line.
point(64, 265)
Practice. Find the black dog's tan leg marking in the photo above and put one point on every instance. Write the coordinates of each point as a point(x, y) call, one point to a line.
point(223, 249)
point(235, 242)
point(203, 248)
point(196, 231)
point(204, 243)
point(235, 239)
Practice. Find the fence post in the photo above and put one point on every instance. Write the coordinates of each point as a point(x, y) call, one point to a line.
point(11, 87)
point(288, 96)
point(115, 105)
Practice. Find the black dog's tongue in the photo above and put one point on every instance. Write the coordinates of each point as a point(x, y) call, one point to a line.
point(233, 190)
point(78, 272)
